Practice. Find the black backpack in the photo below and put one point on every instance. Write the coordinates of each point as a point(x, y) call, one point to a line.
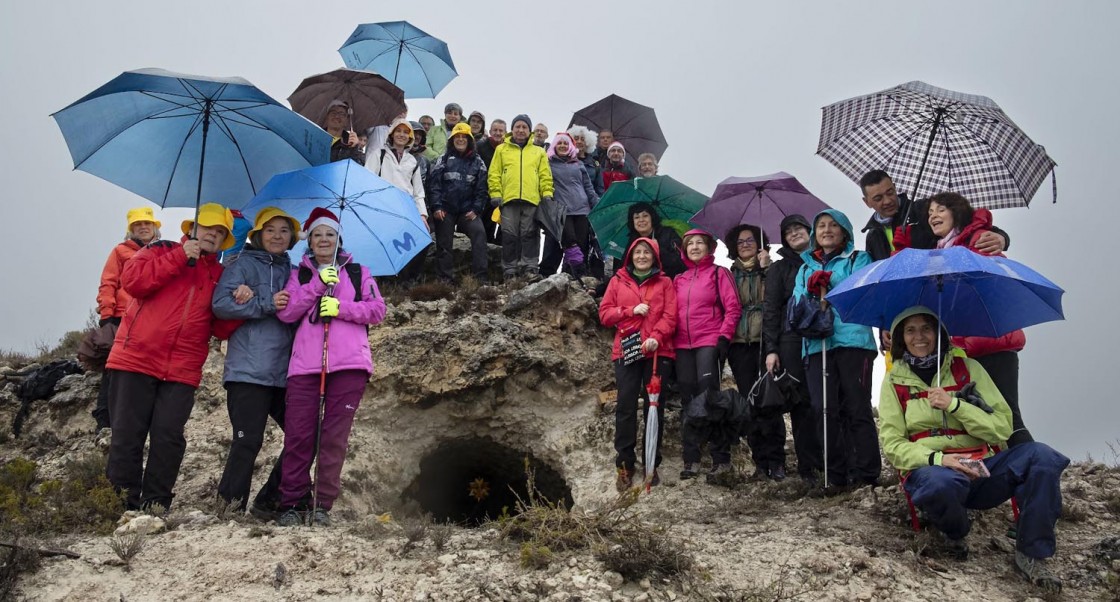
point(40, 382)
point(353, 269)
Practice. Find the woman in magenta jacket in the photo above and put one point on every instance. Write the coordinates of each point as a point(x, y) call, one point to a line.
point(324, 293)
point(707, 311)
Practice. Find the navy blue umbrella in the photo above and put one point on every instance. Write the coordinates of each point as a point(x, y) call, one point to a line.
point(975, 295)
point(416, 62)
point(381, 226)
point(175, 139)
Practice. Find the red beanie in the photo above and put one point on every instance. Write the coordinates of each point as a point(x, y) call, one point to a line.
point(319, 217)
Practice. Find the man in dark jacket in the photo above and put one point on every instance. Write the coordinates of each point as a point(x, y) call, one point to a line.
point(345, 143)
point(457, 200)
point(893, 210)
point(783, 348)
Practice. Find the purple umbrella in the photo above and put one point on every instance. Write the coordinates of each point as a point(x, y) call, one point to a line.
point(763, 201)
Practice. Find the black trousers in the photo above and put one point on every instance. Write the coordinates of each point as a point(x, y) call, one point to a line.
point(1003, 367)
point(632, 381)
point(249, 407)
point(445, 237)
point(765, 436)
point(100, 411)
point(853, 443)
point(698, 371)
point(142, 407)
point(806, 441)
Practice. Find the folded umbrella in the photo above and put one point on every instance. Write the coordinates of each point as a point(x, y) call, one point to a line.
point(653, 389)
point(381, 227)
point(674, 202)
point(762, 201)
point(373, 100)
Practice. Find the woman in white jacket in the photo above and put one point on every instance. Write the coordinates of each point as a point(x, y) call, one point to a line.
point(394, 164)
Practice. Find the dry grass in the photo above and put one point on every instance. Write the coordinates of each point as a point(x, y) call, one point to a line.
point(127, 546)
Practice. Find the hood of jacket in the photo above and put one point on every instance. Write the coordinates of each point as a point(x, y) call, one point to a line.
point(839, 218)
point(649, 241)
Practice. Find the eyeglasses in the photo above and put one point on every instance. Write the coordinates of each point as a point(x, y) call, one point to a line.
point(744, 242)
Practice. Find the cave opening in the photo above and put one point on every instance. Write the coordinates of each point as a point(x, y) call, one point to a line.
point(468, 481)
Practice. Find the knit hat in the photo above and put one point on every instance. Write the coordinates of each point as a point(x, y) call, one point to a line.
point(572, 150)
point(521, 117)
point(711, 240)
point(453, 106)
point(791, 220)
point(321, 217)
point(140, 214)
point(618, 144)
point(267, 214)
point(210, 215)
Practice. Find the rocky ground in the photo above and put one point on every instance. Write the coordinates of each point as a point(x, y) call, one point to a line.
point(517, 373)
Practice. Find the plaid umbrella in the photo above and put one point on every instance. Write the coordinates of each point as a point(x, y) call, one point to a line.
point(945, 140)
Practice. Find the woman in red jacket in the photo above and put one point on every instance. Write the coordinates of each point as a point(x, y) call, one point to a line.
point(641, 305)
point(112, 299)
point(957, 224)
point(708, 310)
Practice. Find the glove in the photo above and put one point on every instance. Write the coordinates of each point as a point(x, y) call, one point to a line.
point(328, 307)
point(329, 275)
point(494, 202)
point(969, 394)
point(819, 283)
point(101, 323)
point(722, 346)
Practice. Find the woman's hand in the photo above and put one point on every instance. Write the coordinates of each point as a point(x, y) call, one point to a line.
point(763, 258)
point(641, 309)
point(649, 346)
point(939, 399)
point(772, 362)
point(242, 294)
point(954, 461)
point(280, 299)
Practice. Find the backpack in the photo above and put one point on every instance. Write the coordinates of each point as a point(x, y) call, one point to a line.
point(39, 383)
point(353, 269)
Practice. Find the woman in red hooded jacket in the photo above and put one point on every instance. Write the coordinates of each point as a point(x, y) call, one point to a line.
point(708, 310)
point(641, 305)
point(956, 224)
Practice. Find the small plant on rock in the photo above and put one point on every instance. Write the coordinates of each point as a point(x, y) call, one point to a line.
point(127, 546)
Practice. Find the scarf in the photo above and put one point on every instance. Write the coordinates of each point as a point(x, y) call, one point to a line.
point(883, 221)
point(749, 286)
point(950, 239)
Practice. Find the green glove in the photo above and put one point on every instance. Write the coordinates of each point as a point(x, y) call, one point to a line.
point(328, 307)
point(329, 275)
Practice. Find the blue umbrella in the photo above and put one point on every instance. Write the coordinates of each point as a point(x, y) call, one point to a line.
point(975, 295)
point(149, 131)
point(416, 62)
point(381, 227)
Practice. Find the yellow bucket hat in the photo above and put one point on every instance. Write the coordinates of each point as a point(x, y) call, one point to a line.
point(213, 214)
point(265, 215)
point(140, 214)
point(461, 128)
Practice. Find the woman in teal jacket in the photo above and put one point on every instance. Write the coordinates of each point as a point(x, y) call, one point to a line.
point(853, 448)
point(944, 437)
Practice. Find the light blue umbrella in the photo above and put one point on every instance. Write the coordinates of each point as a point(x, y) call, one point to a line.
point(416, 62)
point(381, 227)
point(176, 139)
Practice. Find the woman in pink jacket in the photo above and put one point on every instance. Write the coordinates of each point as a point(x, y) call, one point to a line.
point(321, 292)
point(708, 310)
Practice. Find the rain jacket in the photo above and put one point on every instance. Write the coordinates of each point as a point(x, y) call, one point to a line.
point(405, 173)
point(707, 305)
point(112, 299)
point(895, 428)
point(879, 241)
point(166, 330)
point(348, 343)
point(437, 140)
point(750, 286)
point(458, 182)
point(623, 293)
point(843, 265)
point(616, 173)
point(780, 281)
point(520, 173)
point(259, 350)
point(572, 185)
point(595, 172)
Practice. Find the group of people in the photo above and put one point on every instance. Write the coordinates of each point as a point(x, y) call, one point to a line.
point(957, 447)
point(490, 185)
point(298, 352)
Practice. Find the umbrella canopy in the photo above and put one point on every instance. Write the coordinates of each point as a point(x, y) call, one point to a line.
point(653, 389)
point(373, 100)
point(381, 227)
point(149, 131)
point(416, 62)
point(935, 140)
point(763, 201)
point(974, 294)
point(673, 201)
point(634, 125)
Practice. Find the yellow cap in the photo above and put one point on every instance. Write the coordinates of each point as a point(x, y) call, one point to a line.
point(213, 214)
point(266, 214)
point(140, 214)
point(461, 128)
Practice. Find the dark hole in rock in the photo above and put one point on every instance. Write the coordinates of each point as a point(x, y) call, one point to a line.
point(469, 481)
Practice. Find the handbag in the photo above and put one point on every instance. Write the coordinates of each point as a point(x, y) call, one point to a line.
point(810, 317)
point(774, 394)
point(94, 348)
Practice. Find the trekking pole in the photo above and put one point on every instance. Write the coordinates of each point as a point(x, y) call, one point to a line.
point(322, 400)
point(824, 389)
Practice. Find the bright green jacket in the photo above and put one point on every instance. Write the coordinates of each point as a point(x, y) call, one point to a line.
point(895, 428)
point(520, 173)
point(436, 141)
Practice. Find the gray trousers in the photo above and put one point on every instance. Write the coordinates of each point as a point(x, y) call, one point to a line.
point(521, 239)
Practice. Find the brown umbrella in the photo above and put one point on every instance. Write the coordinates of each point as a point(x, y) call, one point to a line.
point(373, 100)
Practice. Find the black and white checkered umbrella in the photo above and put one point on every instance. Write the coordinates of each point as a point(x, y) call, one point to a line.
point(940, 140)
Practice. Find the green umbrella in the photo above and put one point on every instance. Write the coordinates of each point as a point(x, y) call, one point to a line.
point(674, 202)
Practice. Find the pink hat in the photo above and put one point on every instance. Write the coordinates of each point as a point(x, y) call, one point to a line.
point(572, 150)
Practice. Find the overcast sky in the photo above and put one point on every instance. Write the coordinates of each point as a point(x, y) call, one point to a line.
point(737, 86)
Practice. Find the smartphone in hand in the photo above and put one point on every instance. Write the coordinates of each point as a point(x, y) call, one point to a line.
point(977, 466)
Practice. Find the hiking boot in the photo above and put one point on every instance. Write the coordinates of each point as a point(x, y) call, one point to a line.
point(691, 471)
point(1037, 572)
point(321, 517)
point(778, 474)
point(290, 518)
point(532, 277)
point(623, 479)
point(957, 548)
point(655, 480)
point(264, 511)
point(759, 474)
point(721, 474)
